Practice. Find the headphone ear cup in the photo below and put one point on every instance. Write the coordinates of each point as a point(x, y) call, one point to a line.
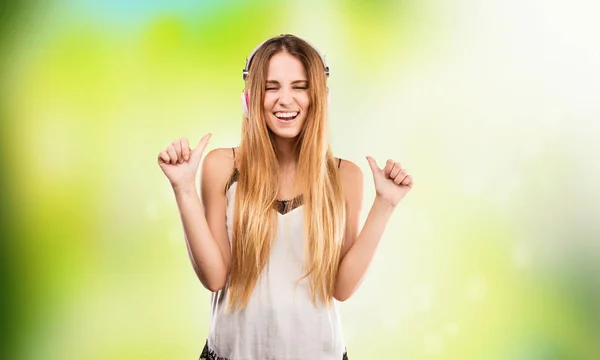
point(245, 103)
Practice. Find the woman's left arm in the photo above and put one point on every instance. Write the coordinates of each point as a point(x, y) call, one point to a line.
point(391, 184)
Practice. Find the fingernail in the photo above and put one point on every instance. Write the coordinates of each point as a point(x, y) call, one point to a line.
point(186, 158)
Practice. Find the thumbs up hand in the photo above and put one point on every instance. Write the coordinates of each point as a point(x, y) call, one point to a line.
point(180, 163)
point(392, 183)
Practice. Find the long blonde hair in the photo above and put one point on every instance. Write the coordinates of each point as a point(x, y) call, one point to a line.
point(255, 217)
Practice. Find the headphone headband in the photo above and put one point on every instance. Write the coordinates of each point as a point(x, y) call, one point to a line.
point(249, 58)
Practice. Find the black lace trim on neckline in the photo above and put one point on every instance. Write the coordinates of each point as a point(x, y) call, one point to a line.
point(281, 206)
point(209, 354)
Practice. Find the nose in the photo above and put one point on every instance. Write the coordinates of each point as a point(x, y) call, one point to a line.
point(285, 97)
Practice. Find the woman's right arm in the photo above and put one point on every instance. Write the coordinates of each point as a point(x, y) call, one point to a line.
point(204, 221)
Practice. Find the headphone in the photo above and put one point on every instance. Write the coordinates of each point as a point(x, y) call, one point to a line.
point(246, 97)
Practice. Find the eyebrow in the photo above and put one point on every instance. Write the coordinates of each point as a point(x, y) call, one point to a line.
point(275, 82)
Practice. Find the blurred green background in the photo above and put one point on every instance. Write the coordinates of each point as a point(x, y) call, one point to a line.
point(492, 106)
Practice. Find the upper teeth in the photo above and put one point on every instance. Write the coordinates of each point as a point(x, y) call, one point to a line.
point(286, 114)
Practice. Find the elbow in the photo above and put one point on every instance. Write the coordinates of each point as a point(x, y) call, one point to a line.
point(214, 286)
point(341, 296)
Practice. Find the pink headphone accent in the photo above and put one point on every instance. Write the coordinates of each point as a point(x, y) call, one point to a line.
point(245, 102)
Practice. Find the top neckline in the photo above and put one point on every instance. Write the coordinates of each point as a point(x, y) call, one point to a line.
point(283, 206)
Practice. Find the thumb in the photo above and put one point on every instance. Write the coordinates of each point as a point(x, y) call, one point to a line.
point(373, 164)
point(197, 152)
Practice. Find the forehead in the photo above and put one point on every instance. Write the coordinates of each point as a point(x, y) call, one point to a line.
point(284, 66)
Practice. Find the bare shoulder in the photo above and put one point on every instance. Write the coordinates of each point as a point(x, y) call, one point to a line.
point(222, 155)
point(218, 166)
point(350, 174)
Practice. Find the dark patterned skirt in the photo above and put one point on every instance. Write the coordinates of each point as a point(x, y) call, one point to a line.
point(209, 354)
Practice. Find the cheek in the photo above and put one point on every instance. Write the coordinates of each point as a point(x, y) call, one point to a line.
point(269, 100)
point(304, 100)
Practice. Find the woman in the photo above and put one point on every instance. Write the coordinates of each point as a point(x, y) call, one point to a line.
point(276, 236)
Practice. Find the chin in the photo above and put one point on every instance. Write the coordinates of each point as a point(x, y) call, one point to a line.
point(286, 133)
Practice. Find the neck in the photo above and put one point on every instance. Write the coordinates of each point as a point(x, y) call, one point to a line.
point(284, 148)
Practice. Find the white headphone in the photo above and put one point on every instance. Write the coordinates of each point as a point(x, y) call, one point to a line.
point(246, 99)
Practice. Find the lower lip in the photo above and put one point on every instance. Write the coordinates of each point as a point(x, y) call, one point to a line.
point(286, 121)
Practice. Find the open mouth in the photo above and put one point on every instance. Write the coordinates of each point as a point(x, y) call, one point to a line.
point(286, 116)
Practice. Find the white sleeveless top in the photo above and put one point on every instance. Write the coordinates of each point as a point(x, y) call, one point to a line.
point(280, 321)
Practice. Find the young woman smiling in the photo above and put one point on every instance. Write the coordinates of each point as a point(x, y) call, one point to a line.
point(275, 236)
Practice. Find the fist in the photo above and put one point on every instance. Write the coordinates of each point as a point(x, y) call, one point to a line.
point(180, 163)
point(392, 182)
